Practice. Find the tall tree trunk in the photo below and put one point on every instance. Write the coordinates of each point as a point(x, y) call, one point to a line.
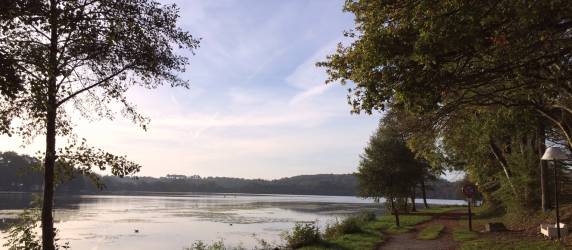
point(423, 192)
point(395, 212)
point(413, 208)
point(503, 163)
point(405, 203)
point(47, 206)
point(545, 195)
point(48, 232)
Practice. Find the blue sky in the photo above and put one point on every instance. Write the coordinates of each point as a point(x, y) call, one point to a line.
point(257, 107)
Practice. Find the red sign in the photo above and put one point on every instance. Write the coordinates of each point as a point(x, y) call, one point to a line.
point(469, 190)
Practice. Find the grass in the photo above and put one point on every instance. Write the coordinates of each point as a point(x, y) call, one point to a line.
point(370, 233)
point(431, 232)
point(387, 223)
point(464, 235)
point(398, 230)
point(472, 241)
point(511, 244)
point(439, 210)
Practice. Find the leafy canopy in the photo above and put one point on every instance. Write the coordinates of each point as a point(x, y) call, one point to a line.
point(94, 50)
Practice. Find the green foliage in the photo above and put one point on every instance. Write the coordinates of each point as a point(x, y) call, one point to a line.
point(387, 166)
point(445, 56)
point(21, 235)
point(348, 225)
point(366, 216)
point(220, 245)
point(498, 151)
point(430, 232)
point(477, 91)
point(200, 245)
point(132, 44)
point(370, 234)
point(82, 55)
point(303, 234)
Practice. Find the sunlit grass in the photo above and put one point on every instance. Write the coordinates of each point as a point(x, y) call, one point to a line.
point(473, 241)
point(371, 233)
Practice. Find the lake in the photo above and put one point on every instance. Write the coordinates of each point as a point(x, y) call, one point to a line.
point(176, 220)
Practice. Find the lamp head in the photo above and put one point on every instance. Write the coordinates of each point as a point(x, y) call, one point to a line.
point(554, 154)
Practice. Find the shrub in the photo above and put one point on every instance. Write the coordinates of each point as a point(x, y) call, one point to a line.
point(349, 225)
point(22, 235)
point(220, 245)
point(303, 234)
point(200, 245)
point(366, 216)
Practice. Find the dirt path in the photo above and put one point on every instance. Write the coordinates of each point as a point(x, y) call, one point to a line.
point(409, 240)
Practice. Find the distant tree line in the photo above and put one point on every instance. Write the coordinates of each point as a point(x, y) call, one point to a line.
point(17, 173)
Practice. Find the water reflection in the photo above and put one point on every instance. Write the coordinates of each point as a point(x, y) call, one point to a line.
point(176, 220)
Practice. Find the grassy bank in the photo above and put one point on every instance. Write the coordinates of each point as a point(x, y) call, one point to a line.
point(523, 236)
point(366, 234)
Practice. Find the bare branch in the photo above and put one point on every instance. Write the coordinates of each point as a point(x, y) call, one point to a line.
point(127, 67)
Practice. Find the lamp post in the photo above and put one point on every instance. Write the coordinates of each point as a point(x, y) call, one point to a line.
point(555, 154)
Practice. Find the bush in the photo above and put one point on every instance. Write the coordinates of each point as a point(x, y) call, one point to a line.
point(200, 245)
point(349, 225)
point(303, 234)
point(366, 216)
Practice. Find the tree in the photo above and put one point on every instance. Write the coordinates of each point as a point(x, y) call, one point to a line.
point(387, 167)
point(82, 55)
point(447, 55)
point(428, 174)
point(441, 59)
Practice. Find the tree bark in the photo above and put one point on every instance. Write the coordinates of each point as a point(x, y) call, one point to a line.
point(47, 206)
point(503, 163)
point(423, 192)
point(48, 232)
point(395, 211)
point(413, 208)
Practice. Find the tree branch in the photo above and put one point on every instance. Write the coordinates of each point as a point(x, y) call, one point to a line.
point(502, 160)
point(94, 85)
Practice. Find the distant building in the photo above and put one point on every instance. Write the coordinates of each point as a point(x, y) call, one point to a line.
point(176, 177)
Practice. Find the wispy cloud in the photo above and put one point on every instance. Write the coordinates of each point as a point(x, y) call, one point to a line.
point(310, 78)
point(257, 107)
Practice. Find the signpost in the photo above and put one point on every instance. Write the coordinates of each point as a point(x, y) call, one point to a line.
point(470, 190)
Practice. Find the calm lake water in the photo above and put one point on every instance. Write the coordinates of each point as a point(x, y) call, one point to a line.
point(176, 220)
